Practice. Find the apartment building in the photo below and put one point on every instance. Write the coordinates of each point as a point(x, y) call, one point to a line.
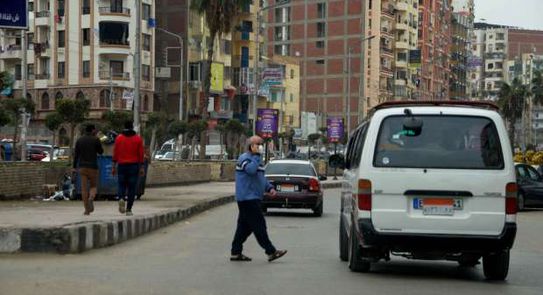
point(434, 41)
point(81, 49)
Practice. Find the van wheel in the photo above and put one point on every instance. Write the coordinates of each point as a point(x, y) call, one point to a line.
point(356, 263)
point(520, 202)
point(343, 242)
point(317, 211)
point(496, 265)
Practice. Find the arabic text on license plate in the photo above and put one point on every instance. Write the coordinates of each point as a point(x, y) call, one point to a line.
point(438, 210)
point(420, 203)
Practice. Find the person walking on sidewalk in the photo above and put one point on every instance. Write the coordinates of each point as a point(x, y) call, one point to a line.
point(128, 163)
point(87, 148)
point(250, 187)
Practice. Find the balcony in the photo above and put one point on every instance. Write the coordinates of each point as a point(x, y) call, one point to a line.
point(402, 26)
point(42, 18)
point(43, 76)
point(494, 55)
point(400, 63)
point(402, 6)
point(12, 52)
point(106, 75)
point(42, 49)
point(387, 11)
point(386, 71)
point(387, 51)
point(114, 10)
point(387, 32)
point(402, 44)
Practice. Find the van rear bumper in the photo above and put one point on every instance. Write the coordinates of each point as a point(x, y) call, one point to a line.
point(370, 238)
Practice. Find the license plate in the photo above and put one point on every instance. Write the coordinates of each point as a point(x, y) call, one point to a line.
point(438, 206)
point(286, 188)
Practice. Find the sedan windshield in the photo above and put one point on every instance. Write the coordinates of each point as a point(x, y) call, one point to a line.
point(290, 169)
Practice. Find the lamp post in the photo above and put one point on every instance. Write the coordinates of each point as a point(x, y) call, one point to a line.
point(257, 57)
point(181, 66)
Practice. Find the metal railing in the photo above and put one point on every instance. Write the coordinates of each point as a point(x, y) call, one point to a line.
point(114, 75)
point(44, 13)
point(43, 76)
point(122, 10)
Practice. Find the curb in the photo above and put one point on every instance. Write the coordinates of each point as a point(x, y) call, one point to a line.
point(78, 238)
point(83, 237)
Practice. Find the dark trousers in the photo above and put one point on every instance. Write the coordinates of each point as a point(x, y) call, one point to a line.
point(251, 220)
point(128, 179)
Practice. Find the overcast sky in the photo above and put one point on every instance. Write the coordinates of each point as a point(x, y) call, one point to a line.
point(526, 14)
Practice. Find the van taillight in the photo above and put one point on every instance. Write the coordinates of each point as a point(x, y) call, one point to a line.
point(314, 185)
point(364, 195)
point(511, 198)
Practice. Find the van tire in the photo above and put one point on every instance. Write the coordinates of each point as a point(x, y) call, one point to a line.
point(496, 265)
point(356, 263)
point(343, 242)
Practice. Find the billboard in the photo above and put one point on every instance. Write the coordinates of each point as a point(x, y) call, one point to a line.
point(415, 58)
point(14, 14)
point(334, 129)
point(267, 122)
point(272, 76)
point(217, 72)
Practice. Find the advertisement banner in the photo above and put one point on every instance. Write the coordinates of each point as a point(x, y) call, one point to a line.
point(217, 72)
point(334, 129)
point(14, 14)
point(267, 122)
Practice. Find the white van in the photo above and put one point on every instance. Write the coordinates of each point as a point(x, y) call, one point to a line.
point(429, 180)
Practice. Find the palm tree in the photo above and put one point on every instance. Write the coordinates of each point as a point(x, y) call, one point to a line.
point(219, 17)
point(512, 102)
point(537, 88)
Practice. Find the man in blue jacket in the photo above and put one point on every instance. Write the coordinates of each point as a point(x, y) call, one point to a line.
point(250, 188)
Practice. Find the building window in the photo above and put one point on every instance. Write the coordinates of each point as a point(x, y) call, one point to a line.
point(321, 30)
point(291, 97)
point(227, 47)
point(319, 44)
point(61, 39)
point(117, 68)
point(278, 33)
point(86, 37)
point(80, 96)
point(145, 103)
point(60, 7)
point(247, 26)
point(321, 10)
point(45, 101)
point(86, 69)
point(146, 11)
point(292, 74)
point(146, 42)
point(58, 97)
point(30, 71)
point(320, 61)
point(30, 6)
point(105, 101)
point(18, 72)
point(194, 71)
point(85, 8)
point(146, 73)
point(227, 73)
point(61, 70)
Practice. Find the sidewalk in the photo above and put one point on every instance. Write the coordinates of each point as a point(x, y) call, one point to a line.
point(60, 226)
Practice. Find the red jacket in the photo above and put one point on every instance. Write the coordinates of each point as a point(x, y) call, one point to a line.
point(128, 148)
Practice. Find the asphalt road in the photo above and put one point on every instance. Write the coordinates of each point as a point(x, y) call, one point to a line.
point(192, 258)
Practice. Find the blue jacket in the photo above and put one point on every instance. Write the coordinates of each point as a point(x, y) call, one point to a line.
point(250, 181)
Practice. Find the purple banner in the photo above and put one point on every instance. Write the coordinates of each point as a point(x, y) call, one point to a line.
point(266, 122)
point(335, 129)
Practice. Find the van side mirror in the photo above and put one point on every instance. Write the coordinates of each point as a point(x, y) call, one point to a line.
point(411, 126)
point(336, 161)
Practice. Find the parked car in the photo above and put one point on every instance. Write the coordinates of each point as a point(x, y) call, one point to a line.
point(415, 185)
point(297, 185)
point(35, 155)
point(530, 187)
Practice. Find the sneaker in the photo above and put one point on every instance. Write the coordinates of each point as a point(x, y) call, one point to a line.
point(278, 254)
point(86, 213)
point(240, 257)
point(122, 207)
point(129, 213)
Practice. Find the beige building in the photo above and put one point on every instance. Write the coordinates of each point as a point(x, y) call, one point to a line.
point(81, 49)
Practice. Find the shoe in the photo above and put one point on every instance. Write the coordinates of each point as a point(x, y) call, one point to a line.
point(91, 205)
point(86, 213)
point(129, 213)
point(278, 254)
point(122, 207)
point(240, 257)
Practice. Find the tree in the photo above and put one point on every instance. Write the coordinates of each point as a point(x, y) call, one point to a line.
point(512, 104)
point(12, 108)
point(177, 128)
point(221, 129)
point(537, 88)
point(195, 131)
point(4, 118)
point(53, 121)
point(155, 122)
point(6, 80)
point(234, 130)
point(115, 120)
point(72, 112)
point(219, 16)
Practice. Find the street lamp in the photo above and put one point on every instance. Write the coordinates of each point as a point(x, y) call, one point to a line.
point(257, 57)
point(180, 39)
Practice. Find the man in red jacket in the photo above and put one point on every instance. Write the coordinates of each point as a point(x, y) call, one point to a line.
point(128, 161)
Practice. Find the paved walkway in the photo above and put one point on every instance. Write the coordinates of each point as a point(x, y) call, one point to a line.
point(60, 226)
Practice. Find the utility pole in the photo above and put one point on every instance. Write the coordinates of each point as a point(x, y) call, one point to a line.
point(348, 102)
point(110, 89)
point(181, 67)
point(24, 120)
point(255, 65)
point(137, 68)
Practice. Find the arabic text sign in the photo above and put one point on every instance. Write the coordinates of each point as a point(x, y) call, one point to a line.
point(335, 129)
point(14, 14)
point(266, 122)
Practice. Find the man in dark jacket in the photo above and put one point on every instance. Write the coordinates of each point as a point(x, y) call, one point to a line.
point(87, 148)
point(128, 161)
point(250, 187)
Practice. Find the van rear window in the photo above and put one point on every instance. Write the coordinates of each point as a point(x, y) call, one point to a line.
point(447, 142)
